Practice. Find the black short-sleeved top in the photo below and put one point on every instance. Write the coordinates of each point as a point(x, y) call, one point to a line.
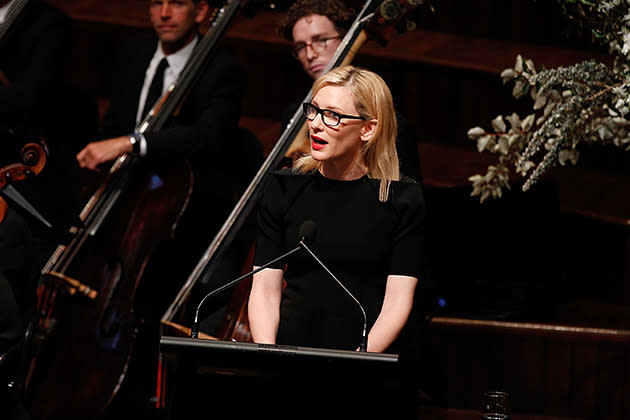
point(360, 240)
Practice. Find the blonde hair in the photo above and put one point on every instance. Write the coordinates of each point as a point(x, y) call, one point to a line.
point(373, 100)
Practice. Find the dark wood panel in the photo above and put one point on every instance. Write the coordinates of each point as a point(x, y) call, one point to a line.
point(446, 44)
point(563, 374)
point(558, 374)
point(584, 380)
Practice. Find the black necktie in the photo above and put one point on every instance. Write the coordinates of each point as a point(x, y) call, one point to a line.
point(155, 90)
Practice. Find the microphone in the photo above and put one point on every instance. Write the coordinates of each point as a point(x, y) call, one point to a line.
point(309, 227)
point(305, 233)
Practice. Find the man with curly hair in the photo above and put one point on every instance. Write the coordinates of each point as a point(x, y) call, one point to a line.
point(316, 29)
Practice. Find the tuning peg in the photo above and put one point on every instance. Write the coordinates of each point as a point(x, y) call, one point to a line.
point(390, 10)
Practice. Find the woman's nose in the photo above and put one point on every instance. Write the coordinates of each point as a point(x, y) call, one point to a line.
point(317, 122)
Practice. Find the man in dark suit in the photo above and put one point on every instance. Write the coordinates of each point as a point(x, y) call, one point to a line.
point(204, 132)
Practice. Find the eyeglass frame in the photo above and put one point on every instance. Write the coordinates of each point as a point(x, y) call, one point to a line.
point(296, 52)
point(320, 111)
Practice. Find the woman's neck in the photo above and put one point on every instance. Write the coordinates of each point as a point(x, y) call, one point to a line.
point(345, 173)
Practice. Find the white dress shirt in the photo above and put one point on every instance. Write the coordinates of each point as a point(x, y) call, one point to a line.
point(176, 63)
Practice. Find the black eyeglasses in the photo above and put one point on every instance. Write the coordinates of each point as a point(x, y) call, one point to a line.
point(318, 45)
point(330, 118)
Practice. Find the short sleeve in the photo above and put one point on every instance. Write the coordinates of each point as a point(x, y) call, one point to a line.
point(408, 250)
point(269, 232)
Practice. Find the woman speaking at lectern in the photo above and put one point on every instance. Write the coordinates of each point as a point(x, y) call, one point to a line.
point(366, 227)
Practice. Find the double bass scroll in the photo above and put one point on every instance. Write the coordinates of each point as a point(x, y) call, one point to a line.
point(33, 160)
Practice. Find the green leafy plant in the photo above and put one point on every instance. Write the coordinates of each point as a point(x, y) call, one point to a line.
point(586, 102)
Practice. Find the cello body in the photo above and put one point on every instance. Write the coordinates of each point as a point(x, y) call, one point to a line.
point(83, 342)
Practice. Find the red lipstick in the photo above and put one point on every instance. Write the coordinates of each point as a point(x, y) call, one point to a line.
point(317, 143)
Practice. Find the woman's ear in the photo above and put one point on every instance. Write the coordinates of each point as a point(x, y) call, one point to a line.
point(368, 129)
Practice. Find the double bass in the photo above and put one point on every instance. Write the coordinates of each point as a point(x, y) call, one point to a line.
point(82, 343)
point(377, 20)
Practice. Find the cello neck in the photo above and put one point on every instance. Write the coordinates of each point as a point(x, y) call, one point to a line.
point(13, 14)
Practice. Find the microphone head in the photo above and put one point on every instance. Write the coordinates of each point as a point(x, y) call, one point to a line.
point(307, 231)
